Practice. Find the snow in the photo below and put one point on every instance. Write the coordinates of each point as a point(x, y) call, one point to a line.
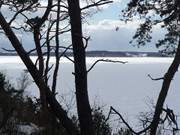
point(28, 129)
point(126, 87)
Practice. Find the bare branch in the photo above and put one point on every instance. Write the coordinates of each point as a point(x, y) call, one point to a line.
point(113, 111)
point(18, 28)
point(171, 116)
point(104, 60)
point(60, 32)
point(155, 79)
point(46, 73)
point(98, 3)
point(68, 58)
point(20, 11)
point(8, 50)
point(86, 41)
point(66, 49)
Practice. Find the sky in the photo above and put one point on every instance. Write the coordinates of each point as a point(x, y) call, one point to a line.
point(101, 27)
point(102, 30)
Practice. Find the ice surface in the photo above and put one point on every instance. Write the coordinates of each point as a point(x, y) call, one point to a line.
point(127, 87)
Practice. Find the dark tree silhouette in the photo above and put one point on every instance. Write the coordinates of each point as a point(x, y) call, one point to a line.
point(83, 106)
point(39, 70)
point(165, 13)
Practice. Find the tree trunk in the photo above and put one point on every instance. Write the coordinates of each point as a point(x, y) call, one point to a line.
point(164, 91)
point(36, 34)
point(83, 106)
point(59, 112)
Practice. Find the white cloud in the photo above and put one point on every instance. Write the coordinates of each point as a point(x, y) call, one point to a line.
point(105, 37)
point(111, 25)
point(103, 34)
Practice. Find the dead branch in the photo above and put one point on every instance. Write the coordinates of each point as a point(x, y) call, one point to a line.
point(114, 111)
point(104, 60)
point(155, 79)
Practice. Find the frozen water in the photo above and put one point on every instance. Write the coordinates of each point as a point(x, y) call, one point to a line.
point(124, 86)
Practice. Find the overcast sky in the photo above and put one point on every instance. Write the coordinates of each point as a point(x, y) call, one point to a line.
point(101, 27)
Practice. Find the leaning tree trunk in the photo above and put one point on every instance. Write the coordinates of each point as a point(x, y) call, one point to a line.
point(164, 91)
point(57, 109)
point(83, 106)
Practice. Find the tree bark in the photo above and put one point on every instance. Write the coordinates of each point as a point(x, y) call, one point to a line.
point(83, 106)
point(164, 91)
point(60, 113)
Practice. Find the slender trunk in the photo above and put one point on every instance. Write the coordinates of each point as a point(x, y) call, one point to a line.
point(54, 82)
point(60, 113)
point(39, 50)
point(56, 50)
point(41, 64)
point(47, 55)
point(164, 90)
point(83, 106)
